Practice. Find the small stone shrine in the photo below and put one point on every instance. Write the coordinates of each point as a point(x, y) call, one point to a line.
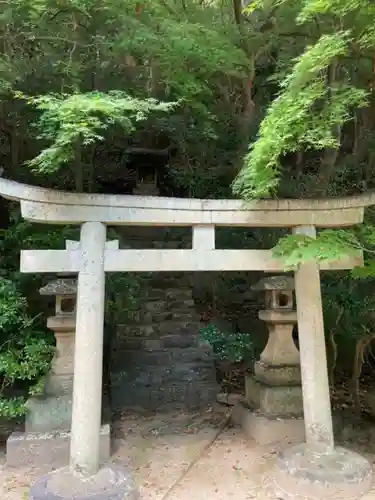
point(146, 183)
point(49, 416)
point(273, 407)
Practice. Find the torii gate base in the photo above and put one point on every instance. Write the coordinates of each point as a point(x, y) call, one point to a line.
point(302, 473)
point(110, 483)
point(315, 469)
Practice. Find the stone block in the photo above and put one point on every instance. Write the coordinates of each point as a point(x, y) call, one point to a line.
point(161, 306)
point(265, 430)
point(252, 392)
point(55, 413)
point(158, 328)
point(49, 414)
point(59, 384)
point(175, 294)
point(110, 483)
point(181, 341)
point(274, 400)
point(35, 449)
point(277, 375)
point(168, 357)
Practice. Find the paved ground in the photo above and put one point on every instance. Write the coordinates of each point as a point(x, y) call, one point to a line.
point(180, 457)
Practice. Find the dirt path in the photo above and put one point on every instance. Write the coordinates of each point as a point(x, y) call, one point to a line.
point(183, 456)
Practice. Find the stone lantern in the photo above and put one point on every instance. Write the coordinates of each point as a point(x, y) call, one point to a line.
point(273, 407)
point(280, 354)
point(53, 412)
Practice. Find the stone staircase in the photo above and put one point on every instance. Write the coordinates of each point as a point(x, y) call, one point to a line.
point(158, 361)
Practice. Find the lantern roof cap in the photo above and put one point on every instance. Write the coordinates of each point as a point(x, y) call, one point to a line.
point(281, 282)
point(61, 286)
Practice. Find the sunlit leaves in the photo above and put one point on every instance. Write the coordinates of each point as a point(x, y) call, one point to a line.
point(303, 116)
point(69, 121)
point(366, 271)
point(330, 245)
point(339, 8)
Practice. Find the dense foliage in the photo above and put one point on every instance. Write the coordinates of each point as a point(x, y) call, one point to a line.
point(26, 352)
point(227, 346)
point(274, 100)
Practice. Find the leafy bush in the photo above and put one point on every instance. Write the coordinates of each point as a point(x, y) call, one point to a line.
point(122, 297)
point(232, 347)
point(25, 351)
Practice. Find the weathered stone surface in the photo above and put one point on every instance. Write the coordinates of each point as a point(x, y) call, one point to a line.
point(228, 399)
point(340, 474)
point(283, 375)
point(265, 429)
point(188, 395)
point(170, 304)
point(179, 294)
point(60, 380)
point(274, 283)
point(49, 414)
point(60, 287)
point(110, 483)
point(159, 343)
point(274, 393)
point(156, 329)
point(52, 448)
point(159, 360)
point(312, 344)
point(274, 400)
point(167, 357)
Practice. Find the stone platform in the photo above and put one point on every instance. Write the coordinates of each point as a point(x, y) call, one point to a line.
point(39, 449)
point(267, 430)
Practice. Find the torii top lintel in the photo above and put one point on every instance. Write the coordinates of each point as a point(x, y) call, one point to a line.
point(52, 206)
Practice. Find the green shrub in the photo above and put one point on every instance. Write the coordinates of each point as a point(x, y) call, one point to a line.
point(232, 347)
point(26, 351)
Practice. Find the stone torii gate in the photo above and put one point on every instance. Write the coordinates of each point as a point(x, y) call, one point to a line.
point(316, 468)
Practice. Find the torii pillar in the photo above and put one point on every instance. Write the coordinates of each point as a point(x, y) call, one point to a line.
point(316, 468)
point(85, 478)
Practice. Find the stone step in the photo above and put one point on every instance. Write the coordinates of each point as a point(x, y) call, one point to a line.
point(180, 316)
point(142, 317)
point(158, 376)
point(143, 360)
point(163, 281)
point(169, 305)
point(174, 294)
point(156, 329)
point(164, 342)
point(170, 396)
